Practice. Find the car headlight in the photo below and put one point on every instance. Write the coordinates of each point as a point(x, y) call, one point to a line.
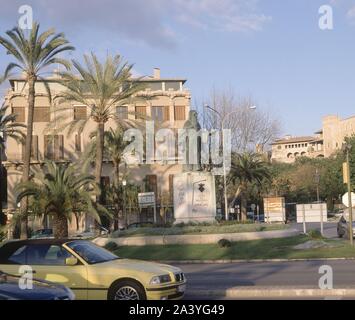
point(160, 279)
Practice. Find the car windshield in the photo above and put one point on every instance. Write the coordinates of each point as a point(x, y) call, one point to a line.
point(90, 252)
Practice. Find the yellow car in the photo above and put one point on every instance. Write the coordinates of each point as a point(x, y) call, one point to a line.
point(91, 271)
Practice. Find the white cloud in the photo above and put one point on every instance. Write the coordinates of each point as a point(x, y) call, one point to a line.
point(153, 22)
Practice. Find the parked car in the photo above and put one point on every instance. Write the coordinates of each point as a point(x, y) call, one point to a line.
point(41, 290)
point(93, 272)
point(42, 233)
point(140, 225)
point(87, 234)
point(343, 226)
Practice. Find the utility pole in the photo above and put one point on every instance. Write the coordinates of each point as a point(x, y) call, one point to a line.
point(348, 147)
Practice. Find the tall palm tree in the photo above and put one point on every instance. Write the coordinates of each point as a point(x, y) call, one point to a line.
point(12, 129)
point(101, 87)
point(247, 168)
point(34, 53)
point(58, 191)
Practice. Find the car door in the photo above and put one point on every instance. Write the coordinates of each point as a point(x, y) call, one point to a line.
point(49, 263)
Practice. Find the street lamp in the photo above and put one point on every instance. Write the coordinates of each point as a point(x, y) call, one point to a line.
point(124, 183)
point(347, 148)
point(223, 118)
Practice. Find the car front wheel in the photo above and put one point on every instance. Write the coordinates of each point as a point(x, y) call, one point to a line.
point(127, 290)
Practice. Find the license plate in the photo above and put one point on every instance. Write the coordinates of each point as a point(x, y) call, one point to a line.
point(182, 288)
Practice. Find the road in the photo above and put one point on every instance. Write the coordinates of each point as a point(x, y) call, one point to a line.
point(330, 228)
point(292, 274)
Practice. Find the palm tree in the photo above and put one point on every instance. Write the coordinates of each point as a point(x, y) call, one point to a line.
point(58, 191)
point(34, 54)
point(12, 129)
point(101, 87)
point(247, 168)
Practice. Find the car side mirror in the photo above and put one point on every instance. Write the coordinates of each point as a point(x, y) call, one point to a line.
point(71, 261)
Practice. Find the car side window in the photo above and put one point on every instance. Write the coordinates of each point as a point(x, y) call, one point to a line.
point(47, 255)
point(19, 256)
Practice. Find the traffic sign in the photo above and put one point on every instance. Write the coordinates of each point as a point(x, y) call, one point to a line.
point(345, 199)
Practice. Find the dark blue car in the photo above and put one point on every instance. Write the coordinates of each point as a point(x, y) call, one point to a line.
point(41, 290)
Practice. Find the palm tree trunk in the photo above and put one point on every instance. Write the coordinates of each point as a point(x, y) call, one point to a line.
point(99, 151)
point(2, 216)
point(60, 226)
point(27, 155)
point(243, 206)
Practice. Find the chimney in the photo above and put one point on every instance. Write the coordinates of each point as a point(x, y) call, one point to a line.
point(156, 74)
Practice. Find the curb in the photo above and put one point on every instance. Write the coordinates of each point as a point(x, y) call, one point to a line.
point(247, 261)
point(274, 292)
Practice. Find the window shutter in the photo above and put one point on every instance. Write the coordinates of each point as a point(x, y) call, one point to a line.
point(141, 112)
point(180, 113)
point(58, 147)
point(48, 147)
point(34, 148)
point(166, 115)
point(20, 113)
point(80, 113)
point(41, 114)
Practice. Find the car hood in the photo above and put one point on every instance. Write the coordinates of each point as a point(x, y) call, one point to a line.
point(41, 290)
point(142, 266)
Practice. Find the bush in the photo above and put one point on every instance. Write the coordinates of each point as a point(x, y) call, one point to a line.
point(111, 246)
point(224, 243)
point(315, 234)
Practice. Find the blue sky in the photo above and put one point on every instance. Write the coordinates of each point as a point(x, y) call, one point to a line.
point(272, 50)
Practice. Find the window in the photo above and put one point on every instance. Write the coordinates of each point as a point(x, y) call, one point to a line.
point(180, 113)
point(141, 112)
point(155, 86)
point(41, 114)
point(34, 149)
point(160, 113)
point(122, 112)
point(279, 147)
point(53, 147)
point(151, 183)
point(19, 256)
point(78, 142)
point(172, 85)
point(20, 113)
point(80, 113)
point(46, 254)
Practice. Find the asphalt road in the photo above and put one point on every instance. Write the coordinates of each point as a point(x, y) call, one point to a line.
point(297, 273)
point(329, 228)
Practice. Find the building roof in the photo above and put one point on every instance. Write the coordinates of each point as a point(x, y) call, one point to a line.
point(294, 140)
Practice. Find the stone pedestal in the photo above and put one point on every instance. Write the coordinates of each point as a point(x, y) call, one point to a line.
point(194, 197)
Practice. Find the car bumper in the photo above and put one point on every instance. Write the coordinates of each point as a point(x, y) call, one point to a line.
point(169, 292)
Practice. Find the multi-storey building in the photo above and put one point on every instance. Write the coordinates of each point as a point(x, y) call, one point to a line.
point(289, 148)
point(164, 100)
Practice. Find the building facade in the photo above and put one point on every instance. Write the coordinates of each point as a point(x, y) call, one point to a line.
point(288, 149)
point(164, 100)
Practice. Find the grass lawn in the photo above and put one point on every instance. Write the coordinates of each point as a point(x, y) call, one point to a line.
point(199, 229)
point(257, 249)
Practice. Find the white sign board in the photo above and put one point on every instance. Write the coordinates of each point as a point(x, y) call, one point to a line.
point(345, 199)
point(311, 212)
point(146, 199)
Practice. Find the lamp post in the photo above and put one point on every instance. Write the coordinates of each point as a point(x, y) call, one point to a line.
point(317, 180)
point(347, 148)
point(223, 118)
point(124, 183)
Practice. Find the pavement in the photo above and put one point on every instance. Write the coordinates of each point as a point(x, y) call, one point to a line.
point(278, 280)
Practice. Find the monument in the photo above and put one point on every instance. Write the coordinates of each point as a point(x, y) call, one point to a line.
point(194, 189)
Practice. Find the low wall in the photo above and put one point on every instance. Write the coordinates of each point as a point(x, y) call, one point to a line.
point(197, 238)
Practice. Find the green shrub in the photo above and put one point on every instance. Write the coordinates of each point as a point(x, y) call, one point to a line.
point(315, 234)
point(111, 246)
point(224, 243)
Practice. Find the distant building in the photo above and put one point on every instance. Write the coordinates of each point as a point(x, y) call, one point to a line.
point(324, 143)
point(335, 130)
point(289, 148)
